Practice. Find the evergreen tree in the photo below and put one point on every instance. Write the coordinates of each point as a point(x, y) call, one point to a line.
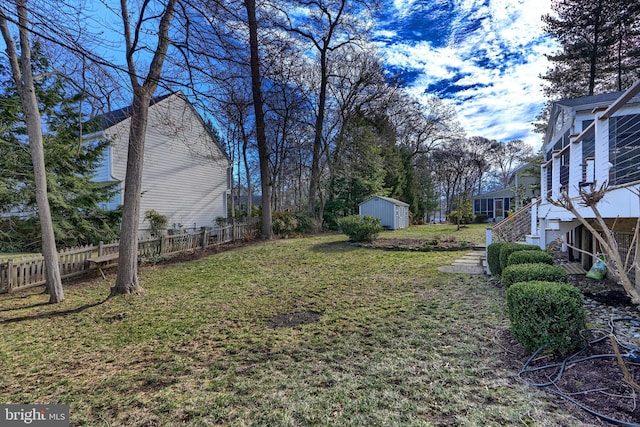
point(358, 170)
point(74, 196)
point(598, 47)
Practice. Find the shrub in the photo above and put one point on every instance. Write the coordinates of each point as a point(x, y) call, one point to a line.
point(305, 223)
point(361, 229)
point(547, 314)
point(510, 248)
point(529, 257)
point(493, 257)
point(285, 223)
point(157, 222)
point(481, 218)
point(528, 272)
point(467, 217)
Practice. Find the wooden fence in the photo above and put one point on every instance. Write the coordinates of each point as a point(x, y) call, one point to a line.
point(29, 271)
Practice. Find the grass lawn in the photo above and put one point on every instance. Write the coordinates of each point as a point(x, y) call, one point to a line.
point(397, 344)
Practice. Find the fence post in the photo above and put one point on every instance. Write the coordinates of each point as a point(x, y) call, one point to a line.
point(10, 276)
point(100, 249)
point(234, 230)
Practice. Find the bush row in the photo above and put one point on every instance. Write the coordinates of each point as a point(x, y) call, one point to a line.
point(498, 254)
point(544, 310)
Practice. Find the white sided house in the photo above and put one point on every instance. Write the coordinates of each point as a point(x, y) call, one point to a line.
point(590, 141)
point(393, 213)
point(185, 175)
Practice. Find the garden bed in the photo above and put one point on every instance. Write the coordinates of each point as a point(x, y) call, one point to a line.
point(420, 245)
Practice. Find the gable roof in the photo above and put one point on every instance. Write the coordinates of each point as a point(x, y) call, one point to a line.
point(110, 119)
point(588, 101)
point(386, 199)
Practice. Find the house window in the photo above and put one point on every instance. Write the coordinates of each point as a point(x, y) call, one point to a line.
point(624, 149)
point(483, 207)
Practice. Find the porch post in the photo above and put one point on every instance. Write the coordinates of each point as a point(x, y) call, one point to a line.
point(575, 167)
point(534, 216)
point(555, 178)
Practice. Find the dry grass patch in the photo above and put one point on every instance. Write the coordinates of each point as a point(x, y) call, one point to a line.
point(397, 343)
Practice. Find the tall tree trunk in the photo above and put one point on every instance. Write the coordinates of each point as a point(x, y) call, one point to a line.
point(314, 179)
point(22, 74)
point(127, 279)
point(247, 172)
point(593, 57)
point(261, 137)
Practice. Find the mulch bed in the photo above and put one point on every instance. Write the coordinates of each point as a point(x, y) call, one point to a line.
point(421, 245)
point(598, 385)
point(590, 387)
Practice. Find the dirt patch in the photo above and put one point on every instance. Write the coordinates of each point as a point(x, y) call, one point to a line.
point(595, 385)
point(293, 319)
point(423, 245)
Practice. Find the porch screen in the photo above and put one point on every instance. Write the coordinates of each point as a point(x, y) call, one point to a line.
point(588, 152)
point(624, 149)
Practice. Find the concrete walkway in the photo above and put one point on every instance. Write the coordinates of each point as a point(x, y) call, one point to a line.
point(471, 263)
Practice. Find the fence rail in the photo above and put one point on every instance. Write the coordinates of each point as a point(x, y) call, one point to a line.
point(29, 271)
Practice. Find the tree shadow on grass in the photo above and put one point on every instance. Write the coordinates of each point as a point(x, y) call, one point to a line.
point(51, 314)
point(335, 247)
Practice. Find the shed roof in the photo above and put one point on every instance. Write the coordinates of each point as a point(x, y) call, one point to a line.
point(387, 199)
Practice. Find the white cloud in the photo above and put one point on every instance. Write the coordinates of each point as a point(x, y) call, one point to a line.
point(499, 62)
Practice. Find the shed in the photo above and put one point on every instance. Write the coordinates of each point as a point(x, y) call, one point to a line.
point(393, 213)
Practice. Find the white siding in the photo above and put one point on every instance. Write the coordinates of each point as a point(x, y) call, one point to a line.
point(184, 174)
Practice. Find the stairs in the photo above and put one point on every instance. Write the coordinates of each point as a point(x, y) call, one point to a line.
point(472, 263)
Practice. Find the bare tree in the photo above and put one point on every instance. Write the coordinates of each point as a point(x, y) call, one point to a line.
point(327, 27)
point(618, 267)
point(423, 125)
point(256, 88)
point(127, 279)
point(24, 80)
point(507, 157)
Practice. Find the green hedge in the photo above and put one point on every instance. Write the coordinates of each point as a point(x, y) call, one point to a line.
point(493, 257)
point(361, 229)
point(529, 257)
point(509, 248)
point(527, 272)
point(547, 314)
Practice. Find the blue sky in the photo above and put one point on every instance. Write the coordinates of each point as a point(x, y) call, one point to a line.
point(483, 56)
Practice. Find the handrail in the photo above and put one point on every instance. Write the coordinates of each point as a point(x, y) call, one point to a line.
point(514, 227)
point(510, 218)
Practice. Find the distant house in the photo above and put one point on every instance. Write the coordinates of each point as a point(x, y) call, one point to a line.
point(495, 205)
point(186, 173)
point(393, 213)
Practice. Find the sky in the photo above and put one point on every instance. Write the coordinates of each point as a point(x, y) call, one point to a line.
point(483, 56)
